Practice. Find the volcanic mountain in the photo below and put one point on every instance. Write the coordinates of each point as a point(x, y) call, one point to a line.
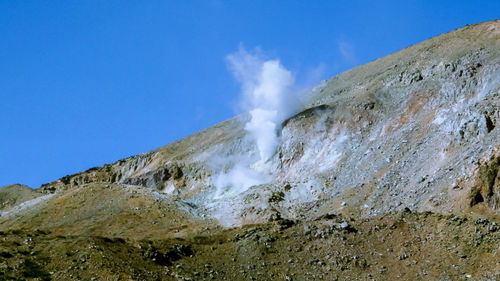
point(388, 171)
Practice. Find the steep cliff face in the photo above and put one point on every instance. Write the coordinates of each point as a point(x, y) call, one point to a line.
point(402, 131)
point(417, 129)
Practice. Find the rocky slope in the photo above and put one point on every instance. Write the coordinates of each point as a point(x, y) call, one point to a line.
point(13, 196)
point(406, 246)
point(411, 133)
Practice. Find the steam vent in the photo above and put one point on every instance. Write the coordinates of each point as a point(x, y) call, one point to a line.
point(389, 171)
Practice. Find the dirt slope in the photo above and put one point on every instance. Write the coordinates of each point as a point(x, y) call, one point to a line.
point(13, 195)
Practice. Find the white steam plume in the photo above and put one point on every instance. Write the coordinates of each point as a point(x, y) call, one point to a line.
point(237, 180)
point(267, 96)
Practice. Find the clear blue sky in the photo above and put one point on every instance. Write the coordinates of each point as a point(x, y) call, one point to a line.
point(84, 83)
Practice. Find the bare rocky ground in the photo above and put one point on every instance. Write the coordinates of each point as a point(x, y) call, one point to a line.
point(390, 171)
point(404, 246)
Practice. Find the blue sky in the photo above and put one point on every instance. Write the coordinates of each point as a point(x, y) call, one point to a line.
point(84, 83)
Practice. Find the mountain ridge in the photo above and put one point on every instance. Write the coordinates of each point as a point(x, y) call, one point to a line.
point(346, 73)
